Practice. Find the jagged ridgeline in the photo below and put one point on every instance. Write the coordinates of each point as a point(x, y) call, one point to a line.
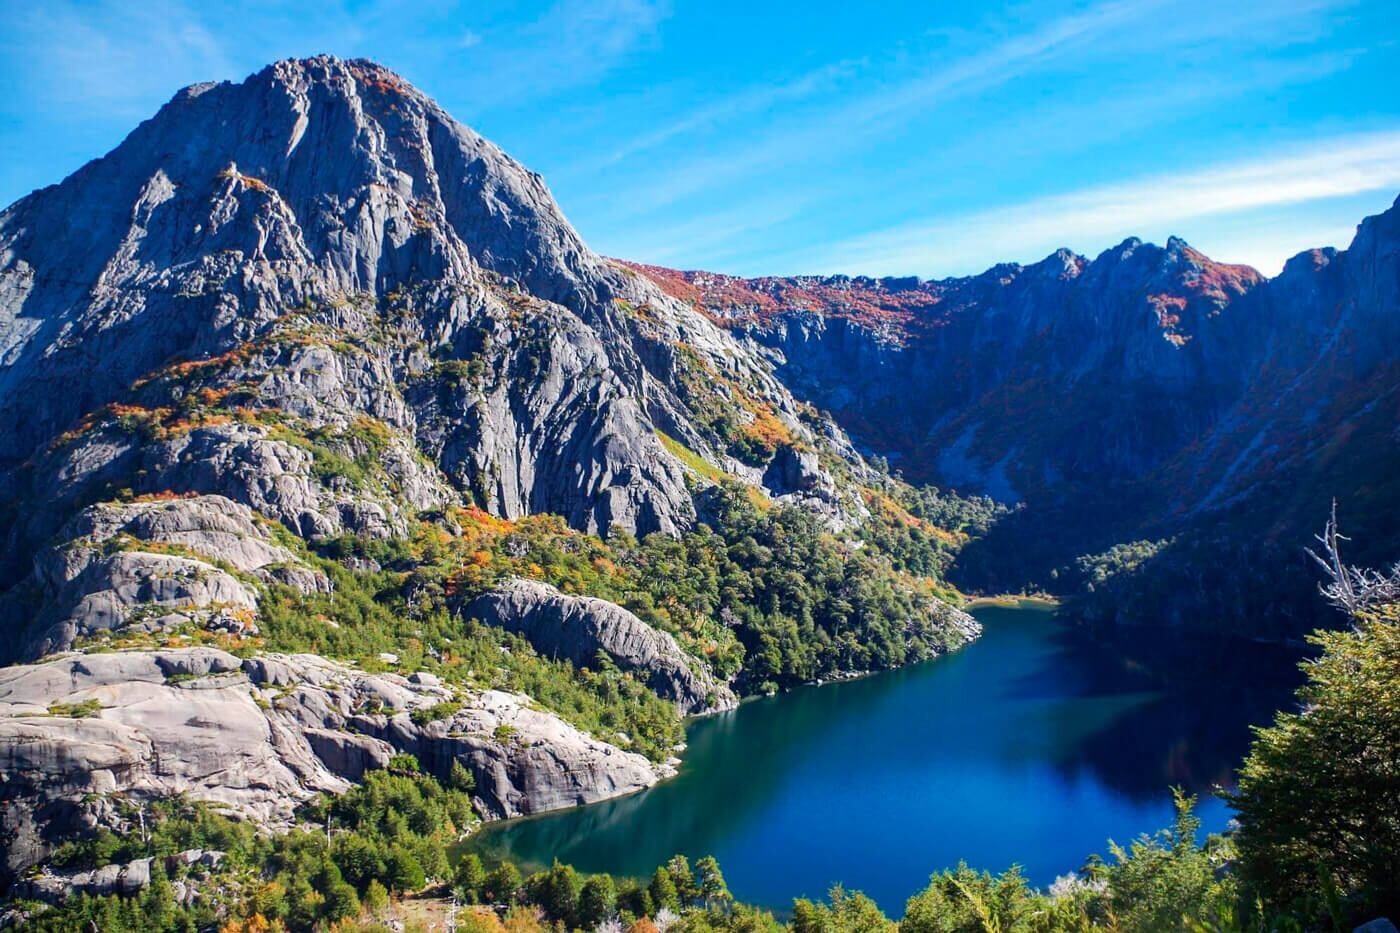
point(1175, 427)
point(324, 438)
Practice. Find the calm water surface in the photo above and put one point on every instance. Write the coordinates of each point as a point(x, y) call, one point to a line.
point(1027, 746)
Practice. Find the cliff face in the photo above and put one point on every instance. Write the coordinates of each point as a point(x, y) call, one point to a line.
point(323, 242)
point(263, 735)
point(1149, 392)
point(952, 379)
point(306, 309)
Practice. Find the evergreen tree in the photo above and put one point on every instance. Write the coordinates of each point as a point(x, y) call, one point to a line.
point(376, 896)
point(687, 892)
point(557, 892)
point(341, 902)
point(1319, 794)
point(710, 881)
point(847, 913)
point(503, 884)
point(460, 779)
point(635, 898)
point(597, 901)
point(470, 878)
point(402, 871)
point(663, 890)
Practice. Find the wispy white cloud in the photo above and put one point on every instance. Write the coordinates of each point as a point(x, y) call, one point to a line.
point(754, 100)
point(570, 44)
point(1049, 137)
point(1094, 217)
point(856, 122)
point(850, 124)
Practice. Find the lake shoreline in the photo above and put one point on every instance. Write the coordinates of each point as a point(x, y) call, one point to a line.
point(878, 781)
point(1010, 601)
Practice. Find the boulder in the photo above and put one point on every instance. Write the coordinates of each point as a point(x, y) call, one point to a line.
point(127, 878)
point(576, 628)
point(157, 564)
point(258, 737)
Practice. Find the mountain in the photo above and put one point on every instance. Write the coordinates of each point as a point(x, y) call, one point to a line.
point(1149, 399)
point(328, 196)
point(324, 440)
point(320, 249)
point(1140, 325)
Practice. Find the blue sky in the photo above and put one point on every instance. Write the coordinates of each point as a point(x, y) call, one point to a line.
point(896, 138)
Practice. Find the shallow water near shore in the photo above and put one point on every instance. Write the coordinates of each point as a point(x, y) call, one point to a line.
point(1030, 746)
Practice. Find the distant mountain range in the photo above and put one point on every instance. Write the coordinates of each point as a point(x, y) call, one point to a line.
point(1150, 394)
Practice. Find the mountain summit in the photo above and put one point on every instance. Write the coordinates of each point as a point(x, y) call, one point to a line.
point(322, 240)
point(235, 202)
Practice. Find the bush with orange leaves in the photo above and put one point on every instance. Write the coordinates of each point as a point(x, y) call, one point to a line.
point(257, 923)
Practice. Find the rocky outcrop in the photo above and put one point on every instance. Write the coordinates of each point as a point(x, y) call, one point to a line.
point(158, 564)
point(260, 736)
point(212, 526)
point(577, 628)
point(960, 625)
point(128, 878)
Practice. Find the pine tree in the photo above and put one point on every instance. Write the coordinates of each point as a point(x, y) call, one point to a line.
point(597, 901)
point(470, 878)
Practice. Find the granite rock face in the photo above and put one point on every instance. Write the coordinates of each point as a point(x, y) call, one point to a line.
point(152, 565)
point(577, 628)
point(416, 303)
point(261, 736)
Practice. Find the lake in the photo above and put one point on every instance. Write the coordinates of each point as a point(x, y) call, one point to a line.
point(1030, 746)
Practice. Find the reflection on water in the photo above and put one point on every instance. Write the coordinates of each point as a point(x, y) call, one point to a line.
point(1030, 746)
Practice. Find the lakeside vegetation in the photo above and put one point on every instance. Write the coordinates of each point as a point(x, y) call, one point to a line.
point(766, 597)
point(1316, 847)
point(1014, 601)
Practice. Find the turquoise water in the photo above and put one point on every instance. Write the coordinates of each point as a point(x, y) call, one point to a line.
point(1027, 747)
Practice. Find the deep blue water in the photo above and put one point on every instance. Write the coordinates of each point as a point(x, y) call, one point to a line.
point(1027, 747)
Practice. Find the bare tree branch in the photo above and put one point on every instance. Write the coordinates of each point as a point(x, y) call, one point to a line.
point(1352, 589)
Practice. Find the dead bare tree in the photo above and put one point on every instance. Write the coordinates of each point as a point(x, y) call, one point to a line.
point(1352, 589)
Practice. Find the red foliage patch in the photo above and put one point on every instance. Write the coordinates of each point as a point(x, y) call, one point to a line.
point(880, 304)
point(1220, 281)
point(379, 79)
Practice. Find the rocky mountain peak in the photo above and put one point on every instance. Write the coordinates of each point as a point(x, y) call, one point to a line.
point(311, 179)
point(1379, 235)
point(321, 252)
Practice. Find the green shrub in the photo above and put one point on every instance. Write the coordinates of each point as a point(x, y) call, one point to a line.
point(1319, 794)
point(437, 711)
point(76, 710)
